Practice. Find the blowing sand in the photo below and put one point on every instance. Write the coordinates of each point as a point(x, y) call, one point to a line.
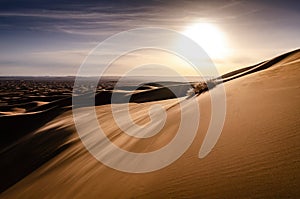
point(257, 155)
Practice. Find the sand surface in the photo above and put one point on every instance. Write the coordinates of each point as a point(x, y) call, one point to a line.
point(257, 155)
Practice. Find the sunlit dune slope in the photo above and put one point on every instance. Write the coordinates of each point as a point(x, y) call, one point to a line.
point(257, 155)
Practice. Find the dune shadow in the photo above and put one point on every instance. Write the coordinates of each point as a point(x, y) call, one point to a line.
point(14, 127)
point(29, 154)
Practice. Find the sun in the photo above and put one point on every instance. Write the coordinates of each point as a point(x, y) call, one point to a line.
point(209, 37)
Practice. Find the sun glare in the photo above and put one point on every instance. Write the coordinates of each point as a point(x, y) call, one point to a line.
point(210, 38)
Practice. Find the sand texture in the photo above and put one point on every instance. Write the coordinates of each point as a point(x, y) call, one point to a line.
point(256, 156)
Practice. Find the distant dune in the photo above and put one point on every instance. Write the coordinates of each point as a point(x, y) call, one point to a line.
point(257, 155)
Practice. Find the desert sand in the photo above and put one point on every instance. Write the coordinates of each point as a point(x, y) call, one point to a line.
point(257, 155)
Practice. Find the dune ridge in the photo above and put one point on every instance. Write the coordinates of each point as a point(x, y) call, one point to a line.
point(258, 150)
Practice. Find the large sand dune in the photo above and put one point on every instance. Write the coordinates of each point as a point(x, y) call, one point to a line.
point(257, 155)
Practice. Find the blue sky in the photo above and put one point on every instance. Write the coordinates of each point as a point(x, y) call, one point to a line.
point(53, 37)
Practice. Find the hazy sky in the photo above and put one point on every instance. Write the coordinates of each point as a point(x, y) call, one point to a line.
point(52, 37)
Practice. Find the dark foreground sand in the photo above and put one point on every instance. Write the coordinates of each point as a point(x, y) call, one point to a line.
point(257, 155)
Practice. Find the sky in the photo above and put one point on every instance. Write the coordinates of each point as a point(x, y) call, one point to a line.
point(53, 37)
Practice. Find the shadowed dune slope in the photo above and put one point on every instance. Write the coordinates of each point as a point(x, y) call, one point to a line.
point(257, 155)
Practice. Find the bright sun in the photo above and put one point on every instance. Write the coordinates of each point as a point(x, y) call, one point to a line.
point(209, 37)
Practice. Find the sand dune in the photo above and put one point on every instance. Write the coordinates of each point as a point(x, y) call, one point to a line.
point(257, 155)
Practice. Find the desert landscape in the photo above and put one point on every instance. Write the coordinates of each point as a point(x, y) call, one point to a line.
point(256, 156)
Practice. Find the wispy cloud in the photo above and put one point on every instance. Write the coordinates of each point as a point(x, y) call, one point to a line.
point(60, 32)
point(91, 19)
